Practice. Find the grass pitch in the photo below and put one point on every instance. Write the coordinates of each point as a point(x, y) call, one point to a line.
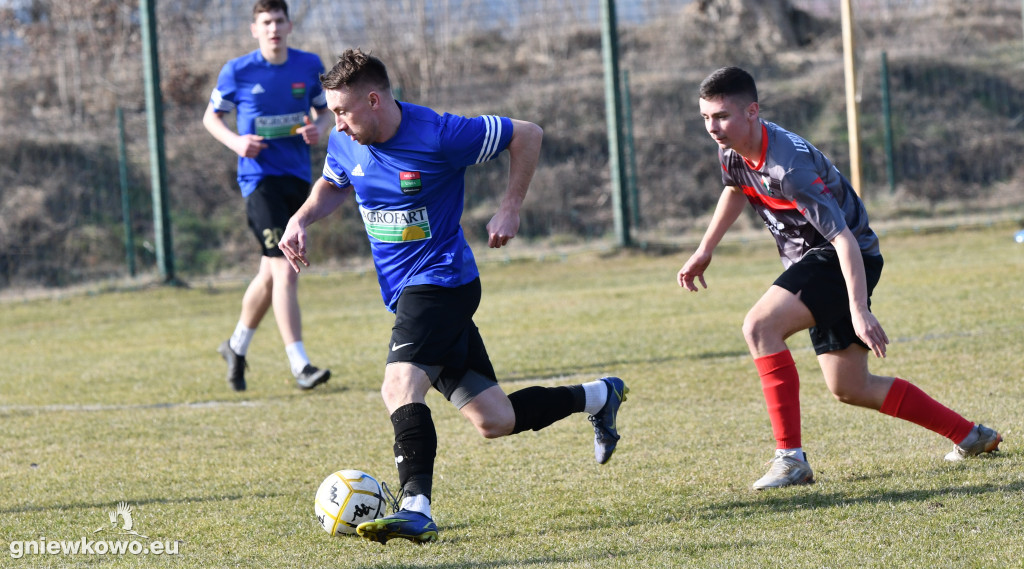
point(120, 397)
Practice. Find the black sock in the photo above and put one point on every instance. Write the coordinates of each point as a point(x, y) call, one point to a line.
point(579, 398)
point(415, 448)
point(537, 407)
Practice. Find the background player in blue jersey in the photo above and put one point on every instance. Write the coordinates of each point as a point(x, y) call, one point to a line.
point(832, 262)
point(406, 166)
point(274, 90)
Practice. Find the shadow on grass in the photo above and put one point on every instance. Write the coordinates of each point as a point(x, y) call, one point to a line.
point(614, 551)
point(625, 557)
point(210, 403)
point(720, 355)
point(790, 502)
point(113, 505)
point(597, 368)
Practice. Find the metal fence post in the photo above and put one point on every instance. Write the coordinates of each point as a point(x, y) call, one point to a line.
point(631, 185)
point(126, 199)
point(155, 124)
point(890, 166)
point(613, 112)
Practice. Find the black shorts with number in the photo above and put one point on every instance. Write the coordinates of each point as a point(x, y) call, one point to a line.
point(818, 278)
point(434, 330)
point(270, 206)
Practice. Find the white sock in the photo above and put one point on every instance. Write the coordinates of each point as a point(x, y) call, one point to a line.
point(797, 452)
point(417, 503)
point(297, 357)
point(597, 396)
point(239, 342)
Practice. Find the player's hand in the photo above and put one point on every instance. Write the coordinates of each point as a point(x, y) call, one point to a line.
point(310, 133)
point(293, 245)
point(502, 228)
point(249, 145)
point(870, 331)
point(694, 269)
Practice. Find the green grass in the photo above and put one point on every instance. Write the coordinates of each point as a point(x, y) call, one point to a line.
point(120, 396)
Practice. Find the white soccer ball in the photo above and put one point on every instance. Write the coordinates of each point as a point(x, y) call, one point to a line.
point(346, 499)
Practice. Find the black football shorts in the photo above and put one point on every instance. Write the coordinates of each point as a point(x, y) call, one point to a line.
point(270, 206)
point(434, 331)
point(819, 280)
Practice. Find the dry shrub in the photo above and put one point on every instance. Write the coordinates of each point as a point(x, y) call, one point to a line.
point(956, 116)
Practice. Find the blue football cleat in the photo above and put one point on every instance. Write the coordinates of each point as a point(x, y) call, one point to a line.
point(405, 524)
point(605, 433)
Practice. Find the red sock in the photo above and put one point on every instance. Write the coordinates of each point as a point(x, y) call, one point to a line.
point(906, 401)
point(781, 385)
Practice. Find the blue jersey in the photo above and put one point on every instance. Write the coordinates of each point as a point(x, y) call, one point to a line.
point(410, 192)
point(271, 101)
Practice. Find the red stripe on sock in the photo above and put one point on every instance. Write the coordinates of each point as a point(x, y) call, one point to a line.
point(780, 383)
point(908, 402)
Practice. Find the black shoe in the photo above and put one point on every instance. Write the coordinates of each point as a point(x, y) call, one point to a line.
point(312, 376)
point(236, 366)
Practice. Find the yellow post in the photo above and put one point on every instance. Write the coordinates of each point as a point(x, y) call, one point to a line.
point(852, 119)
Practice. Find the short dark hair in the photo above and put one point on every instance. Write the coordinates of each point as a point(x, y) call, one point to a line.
point(269, 6)
point(354, 67)
point(727, 82)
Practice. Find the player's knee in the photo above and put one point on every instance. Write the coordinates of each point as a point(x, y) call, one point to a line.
point(844, 394)
point(395, 392)
point(842, 397)
point(264, 276)
point(495, 427)
point(496, 421)
point(387, 392)
point(755, 329)
point(282, 271)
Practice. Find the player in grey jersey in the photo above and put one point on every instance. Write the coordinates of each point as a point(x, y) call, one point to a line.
point(832, 263)
point(799, 193)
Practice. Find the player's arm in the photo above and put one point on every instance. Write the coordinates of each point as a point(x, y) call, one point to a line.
point(314, 129)
point(323, 199)
point(524, 153)
point(246, 145)
point(851, 261)
point(730, 205)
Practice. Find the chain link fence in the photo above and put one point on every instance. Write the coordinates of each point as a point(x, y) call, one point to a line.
point(949, 143)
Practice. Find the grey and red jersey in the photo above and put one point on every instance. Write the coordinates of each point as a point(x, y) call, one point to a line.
point(801, 196)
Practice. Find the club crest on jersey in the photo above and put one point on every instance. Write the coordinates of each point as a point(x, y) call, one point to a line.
point(298, 90)
point(396, 226)
point(411, 183)
point(766, 183)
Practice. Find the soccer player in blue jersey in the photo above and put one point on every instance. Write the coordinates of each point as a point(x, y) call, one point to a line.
point(832, 263)
point(274, 91)
point(406, 165)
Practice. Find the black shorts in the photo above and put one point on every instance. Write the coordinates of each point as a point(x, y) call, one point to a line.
point(818, 278)
point(270, 206)
point(434, 331)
